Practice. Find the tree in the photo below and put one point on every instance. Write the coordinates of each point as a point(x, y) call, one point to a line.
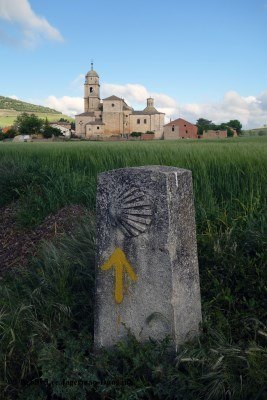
point(203, 125)
point(49, 131)
point(28, 124)
point(234, 123)
point(203, 122)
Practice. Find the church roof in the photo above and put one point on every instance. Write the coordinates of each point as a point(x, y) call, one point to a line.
point(96, 122)
point(92, 72)
point(112, 98)
point(86, 114)
point(147, 111)
point(126, 107)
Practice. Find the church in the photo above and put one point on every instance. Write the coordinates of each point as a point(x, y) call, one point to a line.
point(113, 116)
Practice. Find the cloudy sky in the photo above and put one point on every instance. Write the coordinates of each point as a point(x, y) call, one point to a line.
point(196, 58)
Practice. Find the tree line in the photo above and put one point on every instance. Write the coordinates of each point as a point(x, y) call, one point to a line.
point(205, 125)
point(30, 124)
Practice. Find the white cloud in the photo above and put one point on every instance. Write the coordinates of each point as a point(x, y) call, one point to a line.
point(66, 104)
point(32, 26)
point(137, 94)
point(250, 110)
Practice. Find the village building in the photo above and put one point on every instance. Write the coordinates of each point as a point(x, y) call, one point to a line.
point(214, 134)
point(180, 129)
point(64, 127)
point(113, 116)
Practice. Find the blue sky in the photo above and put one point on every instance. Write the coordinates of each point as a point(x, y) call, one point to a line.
point(197, 58)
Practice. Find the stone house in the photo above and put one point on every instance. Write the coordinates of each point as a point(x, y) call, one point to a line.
point(113, 116)
point(179, 129)
point(65, 128)
point(212, 134)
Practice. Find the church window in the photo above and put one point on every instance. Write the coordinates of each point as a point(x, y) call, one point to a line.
point(91, 89)
point(112, 105)
point(186, 131)
point(144, 121)
point(173, 128)
point(97, 127)
point(138, 121)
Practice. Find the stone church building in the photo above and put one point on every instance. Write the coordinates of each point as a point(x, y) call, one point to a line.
point(113, 116)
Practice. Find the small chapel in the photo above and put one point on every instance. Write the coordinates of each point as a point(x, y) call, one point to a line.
point(113, 116)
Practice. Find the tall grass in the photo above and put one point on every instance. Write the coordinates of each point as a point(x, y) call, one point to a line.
point(227, 175)
point(46, 316)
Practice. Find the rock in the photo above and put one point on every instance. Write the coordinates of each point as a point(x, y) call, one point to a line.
point(147, 279)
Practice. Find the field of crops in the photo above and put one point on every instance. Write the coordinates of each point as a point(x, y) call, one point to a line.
point(7, 117)
point(50, 338)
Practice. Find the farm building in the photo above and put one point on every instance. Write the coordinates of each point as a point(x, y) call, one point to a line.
point(180, 129)
point(113, 116)
point(212, 134)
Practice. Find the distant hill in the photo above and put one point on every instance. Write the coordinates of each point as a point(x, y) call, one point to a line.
point(255, 131)
point(11, 108)
point(6, 103)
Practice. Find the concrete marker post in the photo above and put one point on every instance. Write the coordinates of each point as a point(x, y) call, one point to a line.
point(147, 279)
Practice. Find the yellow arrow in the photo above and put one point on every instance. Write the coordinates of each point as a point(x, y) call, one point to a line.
point(119, 261)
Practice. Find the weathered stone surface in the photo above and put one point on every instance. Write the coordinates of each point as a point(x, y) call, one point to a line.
point(146, 265)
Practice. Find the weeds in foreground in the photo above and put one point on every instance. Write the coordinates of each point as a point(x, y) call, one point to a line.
point(46, 331)
point(46, 311)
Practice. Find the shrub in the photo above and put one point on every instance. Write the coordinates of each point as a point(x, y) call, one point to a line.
point(10, 134)
point(50, 131)
point(136, 134)
point(28, 124)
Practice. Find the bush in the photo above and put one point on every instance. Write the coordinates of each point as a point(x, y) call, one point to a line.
point(10, 134)
point(50, 131)
point(230, 132)
point(262, 133)
point(136, 134)
point(28, 124)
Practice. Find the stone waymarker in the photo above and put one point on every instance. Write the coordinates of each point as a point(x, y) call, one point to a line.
point(147, 278)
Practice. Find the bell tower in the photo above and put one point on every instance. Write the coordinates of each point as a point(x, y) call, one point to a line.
point(91, 91)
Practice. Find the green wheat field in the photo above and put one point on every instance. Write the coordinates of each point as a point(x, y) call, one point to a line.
point(46, 311)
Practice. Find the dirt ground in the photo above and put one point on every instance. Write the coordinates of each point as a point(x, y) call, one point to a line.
point(17, 245)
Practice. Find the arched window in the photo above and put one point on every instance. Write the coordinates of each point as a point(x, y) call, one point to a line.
point(91, 89)
point(138, 121)
point(173, 128)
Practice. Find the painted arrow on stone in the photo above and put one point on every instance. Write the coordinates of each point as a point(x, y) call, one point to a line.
point(119, 261)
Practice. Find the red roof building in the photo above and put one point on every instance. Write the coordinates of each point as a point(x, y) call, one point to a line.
point(180, 129)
